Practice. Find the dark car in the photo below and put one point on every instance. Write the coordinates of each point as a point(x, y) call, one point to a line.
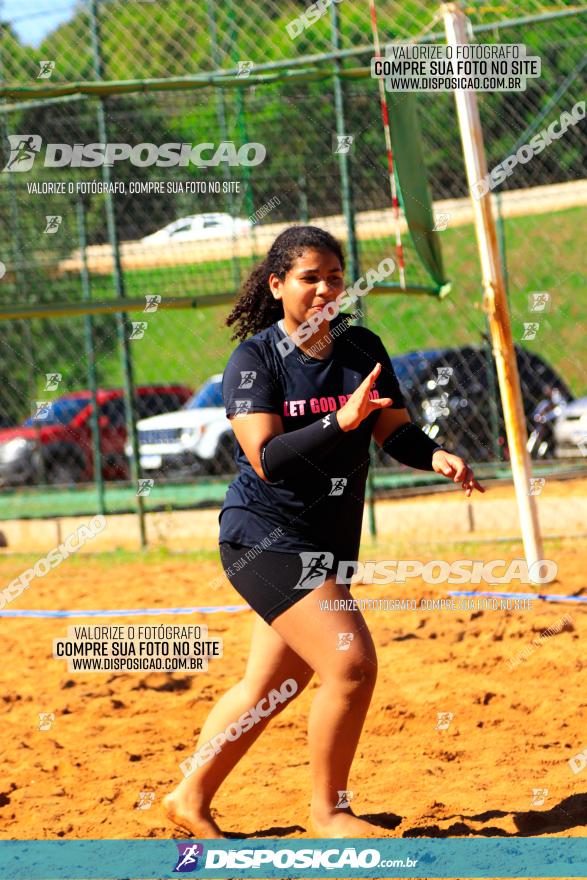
point(55, 444)
point(452, 393)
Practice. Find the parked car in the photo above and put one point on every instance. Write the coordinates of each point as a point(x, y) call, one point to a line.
point(199, 227)
point(453, 394)
point(55, 443)
point(570, 429)
point(196, 440)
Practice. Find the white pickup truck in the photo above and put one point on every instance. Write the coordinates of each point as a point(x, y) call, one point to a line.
point(197, 439)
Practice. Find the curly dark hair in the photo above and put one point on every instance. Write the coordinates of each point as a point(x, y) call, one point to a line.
point(256, 308)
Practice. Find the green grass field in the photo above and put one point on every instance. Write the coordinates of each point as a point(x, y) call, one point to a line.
point(544, 253)
point(160, 555)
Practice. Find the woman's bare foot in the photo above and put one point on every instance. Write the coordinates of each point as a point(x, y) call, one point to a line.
point(194, 819)
point(343, 823)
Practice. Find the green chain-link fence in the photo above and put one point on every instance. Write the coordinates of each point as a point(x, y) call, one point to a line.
point(58, 246)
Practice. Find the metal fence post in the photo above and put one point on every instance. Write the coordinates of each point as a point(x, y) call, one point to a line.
point(349, 216)
point(121, 317)
point(303, 190)
point(90, 355)
point(17, 258)
point(241, 115)
point(221, 113)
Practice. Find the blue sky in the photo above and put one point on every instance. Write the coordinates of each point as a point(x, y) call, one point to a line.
point(32, 19)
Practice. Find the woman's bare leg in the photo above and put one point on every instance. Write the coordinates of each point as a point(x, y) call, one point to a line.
point(270, 663)
point(347, 678)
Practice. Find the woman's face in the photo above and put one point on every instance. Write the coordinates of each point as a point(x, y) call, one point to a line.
point(316, 278)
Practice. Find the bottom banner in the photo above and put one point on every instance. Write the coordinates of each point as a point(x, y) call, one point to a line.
point(371, 857)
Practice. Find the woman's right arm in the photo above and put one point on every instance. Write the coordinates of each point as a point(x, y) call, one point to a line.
point(253, 431)
point(275, 455)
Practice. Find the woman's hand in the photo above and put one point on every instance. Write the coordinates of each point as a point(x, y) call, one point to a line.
point(359, 406)
point(454, 468)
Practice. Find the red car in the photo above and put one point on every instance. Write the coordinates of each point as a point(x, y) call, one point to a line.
point(55, 445)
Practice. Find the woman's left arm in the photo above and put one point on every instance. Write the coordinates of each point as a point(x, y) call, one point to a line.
point(392, 425)
point(387, 421)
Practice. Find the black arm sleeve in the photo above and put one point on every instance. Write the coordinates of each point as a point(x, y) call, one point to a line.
point(288, 455)
point(409, 445)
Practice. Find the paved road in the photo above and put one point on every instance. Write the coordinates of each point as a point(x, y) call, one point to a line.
point(370, 224)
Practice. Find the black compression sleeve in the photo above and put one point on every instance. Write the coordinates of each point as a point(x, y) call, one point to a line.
point(410, 445)
point(287, 455)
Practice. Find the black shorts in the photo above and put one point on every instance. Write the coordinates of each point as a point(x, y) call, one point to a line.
point(267, 579)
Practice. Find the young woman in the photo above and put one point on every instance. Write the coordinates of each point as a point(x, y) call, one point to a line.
point(303, 415)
